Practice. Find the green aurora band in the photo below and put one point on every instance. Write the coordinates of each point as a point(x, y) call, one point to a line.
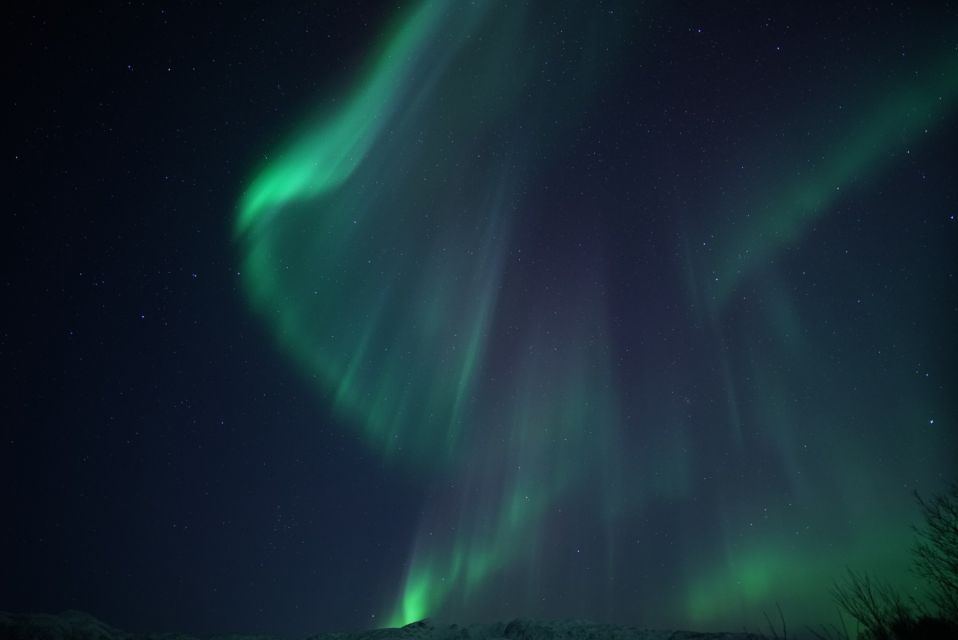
point(379, 246)
point(867, 140)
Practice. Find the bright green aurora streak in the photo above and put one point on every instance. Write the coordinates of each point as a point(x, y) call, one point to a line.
point(380, 246)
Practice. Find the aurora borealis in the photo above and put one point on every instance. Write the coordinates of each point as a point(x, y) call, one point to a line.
point(380, 246)
point(640, 313)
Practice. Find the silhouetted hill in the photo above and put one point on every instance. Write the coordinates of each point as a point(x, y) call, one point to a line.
point(76, 625)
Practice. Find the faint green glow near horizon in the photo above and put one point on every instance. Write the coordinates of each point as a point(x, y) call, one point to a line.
point(761, 576)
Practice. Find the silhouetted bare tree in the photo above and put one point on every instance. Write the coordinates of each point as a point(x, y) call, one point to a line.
point(936, 552)
point(879, 609)
point(876, 606)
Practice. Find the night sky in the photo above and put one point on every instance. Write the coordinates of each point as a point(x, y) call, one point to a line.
point(329, 316)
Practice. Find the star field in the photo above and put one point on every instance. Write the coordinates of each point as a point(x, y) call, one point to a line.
point(347, 317)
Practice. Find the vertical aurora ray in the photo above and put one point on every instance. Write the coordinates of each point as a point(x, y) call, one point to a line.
point(541, 447)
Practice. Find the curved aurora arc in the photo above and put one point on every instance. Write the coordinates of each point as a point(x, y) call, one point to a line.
point(378, 245)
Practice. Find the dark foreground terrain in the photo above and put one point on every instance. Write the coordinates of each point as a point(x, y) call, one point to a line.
point(75, 625)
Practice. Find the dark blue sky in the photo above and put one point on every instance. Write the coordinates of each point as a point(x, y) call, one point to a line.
point(720, 261)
